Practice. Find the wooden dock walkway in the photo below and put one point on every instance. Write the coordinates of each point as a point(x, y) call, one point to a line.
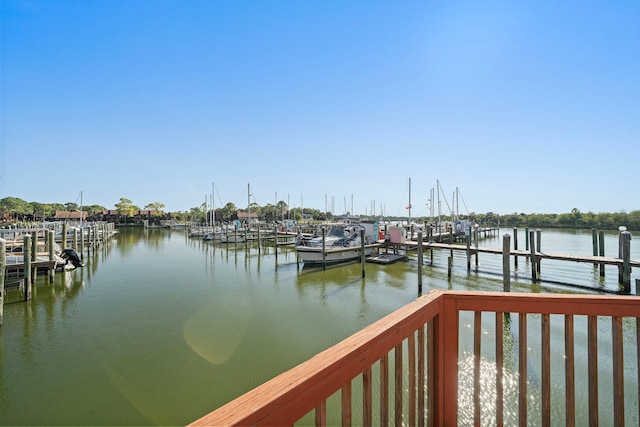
point(591, 259)
point(33, 250)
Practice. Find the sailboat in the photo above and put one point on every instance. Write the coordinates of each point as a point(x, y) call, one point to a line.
point(216, 232)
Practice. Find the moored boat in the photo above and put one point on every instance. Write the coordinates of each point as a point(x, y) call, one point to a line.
point(342, 243)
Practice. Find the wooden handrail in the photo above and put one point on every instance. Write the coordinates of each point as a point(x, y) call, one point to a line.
point(292, 395)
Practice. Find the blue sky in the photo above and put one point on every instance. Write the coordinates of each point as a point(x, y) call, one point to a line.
point(527, 107)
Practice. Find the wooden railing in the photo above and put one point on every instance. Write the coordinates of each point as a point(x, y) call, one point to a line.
point(428, 344)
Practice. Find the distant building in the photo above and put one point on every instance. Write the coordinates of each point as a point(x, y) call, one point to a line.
point(244, 215)
point(70, 216)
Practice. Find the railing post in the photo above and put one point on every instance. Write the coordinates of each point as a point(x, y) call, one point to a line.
point(446, 326)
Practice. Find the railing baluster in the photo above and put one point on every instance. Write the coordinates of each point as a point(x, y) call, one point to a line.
point(499, 369)
point(546, 371)
point(421, 377)
point(618, 371)
point(346, 404)
point(569, 372)
point(412, 379)
point(398, 398)
point(522, 368)
point(367, 391)
point(321, 414)
point(384, 390)
point(477, 330)
point(431, 367)
point(592, 344)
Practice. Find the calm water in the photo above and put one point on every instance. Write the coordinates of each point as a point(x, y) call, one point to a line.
point(159, 329)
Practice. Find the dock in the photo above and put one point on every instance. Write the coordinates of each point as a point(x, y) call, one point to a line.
point(24, 253)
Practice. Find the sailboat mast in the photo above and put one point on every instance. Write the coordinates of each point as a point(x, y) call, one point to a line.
point(248, 203)
point(213, 210)
point(409, 201)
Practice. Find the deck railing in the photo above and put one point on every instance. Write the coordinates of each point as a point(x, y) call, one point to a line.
point(428, 363)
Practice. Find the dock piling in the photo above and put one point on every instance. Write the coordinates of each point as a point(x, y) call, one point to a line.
point(468, 248)
point(601, 251)
point(538, 247)
point(420, 261)
point(534, 264)
point(594, 243)
point(515, 246)
point(324, 248)
point(506, 259)
point(26, 258)
point(362, 254)
point(3, 261)
point(50, 249)
point(625, 268)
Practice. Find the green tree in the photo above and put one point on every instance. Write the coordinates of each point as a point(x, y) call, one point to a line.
point(227, 211)
point(156, 206)
point(125, 207)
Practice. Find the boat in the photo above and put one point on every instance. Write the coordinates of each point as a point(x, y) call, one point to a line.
point(341, 243)
point(216, 234)
point(232, 238)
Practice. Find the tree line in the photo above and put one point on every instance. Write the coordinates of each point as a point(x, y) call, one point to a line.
point(573, 219)
point(16, 209)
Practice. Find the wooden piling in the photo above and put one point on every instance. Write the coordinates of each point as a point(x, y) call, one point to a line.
point(34, 246)
point(526, 238)
point(538, 247)
point(362, 254)
point(259, 240)
point(476, 238)
point(50, 248)
point(534, 264)
point(625, 240)
point(324, 248)
point(26, 259)
point(75, 239)
point(449, 266)
point(601, 251)
point(506, 263)
point(515, 246)
point(64, 236)
point(594, 244)
point(469, 249)
point(81, 252)
point(3, 263)
point(420, 261)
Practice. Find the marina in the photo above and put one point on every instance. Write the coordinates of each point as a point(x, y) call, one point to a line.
point(160, 329)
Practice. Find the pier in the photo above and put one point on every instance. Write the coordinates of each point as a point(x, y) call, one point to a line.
point(27, 252)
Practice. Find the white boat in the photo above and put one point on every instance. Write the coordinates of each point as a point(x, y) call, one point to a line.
point(232, 238)
point(216, 234)
point(341, 242)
